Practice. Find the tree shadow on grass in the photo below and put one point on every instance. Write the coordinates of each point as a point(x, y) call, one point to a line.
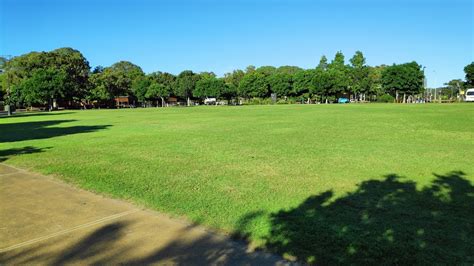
point(12, 132)
point(41, 113)
point(5, 154)
point(385, 221)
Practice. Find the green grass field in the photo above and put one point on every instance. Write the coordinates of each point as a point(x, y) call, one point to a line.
point(320, 183)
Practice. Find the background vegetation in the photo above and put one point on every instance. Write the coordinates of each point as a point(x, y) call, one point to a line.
point(63, 77)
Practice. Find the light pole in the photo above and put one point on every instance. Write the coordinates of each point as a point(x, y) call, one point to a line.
point(434, 77)
point(425, 92)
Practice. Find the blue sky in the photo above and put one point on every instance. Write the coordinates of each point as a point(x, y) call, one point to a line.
point(219, 36)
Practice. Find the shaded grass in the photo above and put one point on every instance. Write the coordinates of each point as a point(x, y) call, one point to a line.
point(217, 165)
point(387, 221)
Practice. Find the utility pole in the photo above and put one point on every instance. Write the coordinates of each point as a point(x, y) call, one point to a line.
point(459, 91)
point(436, 89)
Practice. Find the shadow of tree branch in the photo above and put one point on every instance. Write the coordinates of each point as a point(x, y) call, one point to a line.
point(12, 132)
point(385, 221)
point(5, 154)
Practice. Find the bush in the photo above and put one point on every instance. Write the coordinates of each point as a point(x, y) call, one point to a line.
point(258, 101)
point(288, 100)
point(386, 98)
point(267, 101)
point(291, 100)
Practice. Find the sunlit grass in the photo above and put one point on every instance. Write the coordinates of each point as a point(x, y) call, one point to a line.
point(215, 165)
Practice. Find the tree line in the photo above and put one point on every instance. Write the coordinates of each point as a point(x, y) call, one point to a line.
point(64, 76)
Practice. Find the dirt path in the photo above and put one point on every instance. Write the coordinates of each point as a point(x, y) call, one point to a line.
point(44, 221)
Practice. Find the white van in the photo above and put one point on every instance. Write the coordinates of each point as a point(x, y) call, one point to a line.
point(470, 95)
point(209, 101)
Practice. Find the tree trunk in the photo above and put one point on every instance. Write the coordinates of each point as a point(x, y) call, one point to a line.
point(50, 105)
point(162, 102)
point(189, 102)
point(404, 98)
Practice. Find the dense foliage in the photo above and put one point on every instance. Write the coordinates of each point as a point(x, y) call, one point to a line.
point(45, 77)
point(64, 76)
point(469, 70)
point(405, 78)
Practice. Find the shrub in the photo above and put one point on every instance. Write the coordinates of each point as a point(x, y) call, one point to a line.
point(258, 101)
point(386, 98)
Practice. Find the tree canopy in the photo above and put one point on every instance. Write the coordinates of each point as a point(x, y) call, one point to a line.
point(209, 86)
point(469, 70)
point(64, 75)
point(254, 84)
point(405, 78)
point(41, 77)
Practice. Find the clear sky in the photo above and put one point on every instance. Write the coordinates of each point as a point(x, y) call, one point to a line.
point(219, 36)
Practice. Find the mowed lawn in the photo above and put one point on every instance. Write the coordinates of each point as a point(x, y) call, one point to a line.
point(325, 184)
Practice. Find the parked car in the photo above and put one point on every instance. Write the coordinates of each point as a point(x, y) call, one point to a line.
point(470, 95)
point(209, 101)
point(343, 100)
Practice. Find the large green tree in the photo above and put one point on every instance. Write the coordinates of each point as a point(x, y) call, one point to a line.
point(98, 88)
point(406, 79)
point(161, 87)
point(43, 87)
point(322, 83)
point(375, 80)
point(254, 84)
point(209, 87)
point(3, 78)
point(120, 76)
point(339, 75)
point(140, 88)
point(166, 79)
point(76, 69)
point(281, 83)
point(303, 83)
point(469, 70)
point(30, 72)
point(359, 74)
point(185, 85)
point(116, 80)
point(232, 81)
point(158, 91)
